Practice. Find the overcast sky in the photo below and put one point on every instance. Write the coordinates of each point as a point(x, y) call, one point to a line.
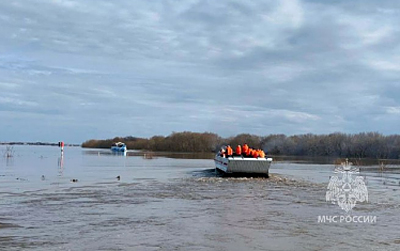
point(74, 70)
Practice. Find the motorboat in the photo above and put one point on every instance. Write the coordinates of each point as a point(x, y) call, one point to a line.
point(119, 147)
point(243, 165)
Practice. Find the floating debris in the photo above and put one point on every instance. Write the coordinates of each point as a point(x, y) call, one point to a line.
point(148, 155)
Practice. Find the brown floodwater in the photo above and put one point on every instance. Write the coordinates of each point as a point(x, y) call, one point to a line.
point(76, 202)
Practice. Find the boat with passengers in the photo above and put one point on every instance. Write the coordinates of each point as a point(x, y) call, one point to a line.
point(119, 147)
point(243, 163)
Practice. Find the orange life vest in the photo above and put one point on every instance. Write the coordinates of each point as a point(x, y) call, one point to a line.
point(255, 154)
point(245, 149)
point(238, 150)
point(229, 151)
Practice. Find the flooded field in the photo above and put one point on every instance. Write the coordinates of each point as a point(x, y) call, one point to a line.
point(93, 200)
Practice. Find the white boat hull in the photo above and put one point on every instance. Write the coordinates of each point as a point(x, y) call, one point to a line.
point(233, 165)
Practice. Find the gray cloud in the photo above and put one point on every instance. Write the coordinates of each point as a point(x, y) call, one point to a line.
point(80, 69)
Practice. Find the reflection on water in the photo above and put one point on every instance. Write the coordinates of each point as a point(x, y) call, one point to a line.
point(181, 204)
point(9, 161)
point(61, 164)
point(146, 154)
point(337, 161)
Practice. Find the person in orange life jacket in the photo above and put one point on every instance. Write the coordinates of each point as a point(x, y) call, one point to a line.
point(262, 154)
point(250, 152)
point(255, 154)
point(229, 151)
point(239, 150)
point(245, 149)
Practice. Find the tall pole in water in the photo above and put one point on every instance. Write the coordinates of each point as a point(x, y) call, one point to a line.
point(61, 144)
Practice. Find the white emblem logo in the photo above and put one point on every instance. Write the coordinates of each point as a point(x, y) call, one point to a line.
point(347, 190)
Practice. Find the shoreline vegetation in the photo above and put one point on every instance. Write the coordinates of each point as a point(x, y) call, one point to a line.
point(35, 144)
point(362, 145)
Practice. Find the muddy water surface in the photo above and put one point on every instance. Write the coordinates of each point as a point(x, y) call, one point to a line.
point(181, 204)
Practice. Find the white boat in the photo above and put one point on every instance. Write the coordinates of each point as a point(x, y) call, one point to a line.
point(243, 165)
point(119, 147)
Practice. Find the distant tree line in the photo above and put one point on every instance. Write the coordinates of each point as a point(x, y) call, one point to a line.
point(361, 145)
point(176, 142)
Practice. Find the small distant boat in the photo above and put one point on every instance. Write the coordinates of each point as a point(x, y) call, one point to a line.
point(243, 165)
point(119, 147)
